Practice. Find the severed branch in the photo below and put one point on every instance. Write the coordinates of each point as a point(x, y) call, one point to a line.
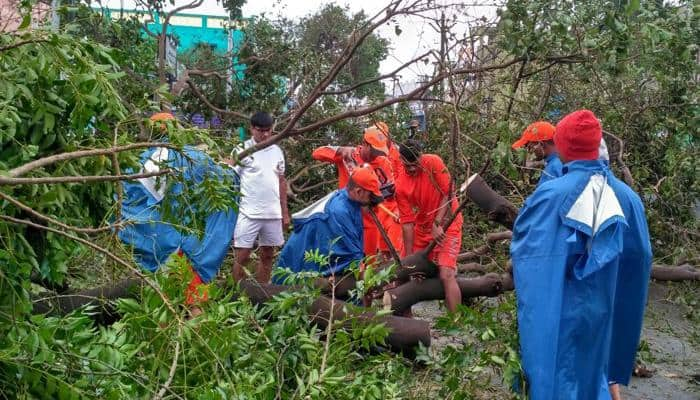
point(42, 162)
point(626, 173)
point(80, 179)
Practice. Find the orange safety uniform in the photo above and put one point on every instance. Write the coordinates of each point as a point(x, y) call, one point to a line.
point(197, 291)
point(419, 198)
point(373, 241)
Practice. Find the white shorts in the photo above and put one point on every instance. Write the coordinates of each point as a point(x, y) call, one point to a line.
point(267, 231)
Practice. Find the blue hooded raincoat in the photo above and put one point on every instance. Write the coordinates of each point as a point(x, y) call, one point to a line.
point(581, 264)
point(333, 225)
point(154, 241)
point(552, 169)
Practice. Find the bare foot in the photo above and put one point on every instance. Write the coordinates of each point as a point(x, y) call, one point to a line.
point(195, 312)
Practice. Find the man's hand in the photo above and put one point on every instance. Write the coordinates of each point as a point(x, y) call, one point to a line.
point(438, 233)
point(346, 153)
point(286, 221)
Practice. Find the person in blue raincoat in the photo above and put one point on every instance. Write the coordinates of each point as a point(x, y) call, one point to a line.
point(154, 241)
point(538, 140)
point(581, 265)
point(333, 226)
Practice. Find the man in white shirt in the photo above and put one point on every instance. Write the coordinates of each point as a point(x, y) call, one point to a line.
point(263, 209)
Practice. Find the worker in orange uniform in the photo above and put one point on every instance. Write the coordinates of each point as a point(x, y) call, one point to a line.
point(425, 200)
point(393, 156)
point(372, 152)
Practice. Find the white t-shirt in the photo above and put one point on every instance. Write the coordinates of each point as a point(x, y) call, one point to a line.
point(260, 190)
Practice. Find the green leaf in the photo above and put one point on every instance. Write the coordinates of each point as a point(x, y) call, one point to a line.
point(49, 122)
point(26, 20)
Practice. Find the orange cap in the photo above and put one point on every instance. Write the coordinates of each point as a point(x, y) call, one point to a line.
point(162, 116)
point(539, 131)
point(365, 178)
point(383, 127)
point(377, 139)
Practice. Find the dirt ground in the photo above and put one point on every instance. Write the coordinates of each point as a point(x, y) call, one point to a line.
point(670, 344)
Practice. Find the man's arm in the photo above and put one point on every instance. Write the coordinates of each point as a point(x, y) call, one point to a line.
point(438, 231)
point(407, 230)
point(332, 154)
point(283, 202)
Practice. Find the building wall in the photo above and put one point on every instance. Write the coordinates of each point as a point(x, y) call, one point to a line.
point(10, 17)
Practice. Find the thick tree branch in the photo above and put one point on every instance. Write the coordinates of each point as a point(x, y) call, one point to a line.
point(42, 162)
point(80, 179)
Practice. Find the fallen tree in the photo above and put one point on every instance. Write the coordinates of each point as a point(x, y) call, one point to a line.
point(684, 272)
point(497, 207)
point(102, 297)
point(403, 297)
point(405, 334)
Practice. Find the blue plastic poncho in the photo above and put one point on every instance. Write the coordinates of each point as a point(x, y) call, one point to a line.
point(552, 169)
point(581, 264)
point(152, 240)
point(333, 225)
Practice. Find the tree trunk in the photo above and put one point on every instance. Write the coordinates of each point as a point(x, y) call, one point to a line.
point(405, 333)
point(680, 273)
point(62, 304)
point(496, 206)
point(403, 297)
point(343, 285)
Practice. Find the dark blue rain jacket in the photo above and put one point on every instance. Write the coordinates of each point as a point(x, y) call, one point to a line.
point(333, 226)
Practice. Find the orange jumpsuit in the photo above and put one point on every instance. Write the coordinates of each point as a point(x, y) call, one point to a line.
point(418, 198)
point(373, 241)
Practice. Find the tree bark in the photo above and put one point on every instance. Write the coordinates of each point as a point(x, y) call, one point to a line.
point(471, 267)
point(403, 297)
point(62, 304)
point(405, 333)
point(680, 273)
point(496, 206)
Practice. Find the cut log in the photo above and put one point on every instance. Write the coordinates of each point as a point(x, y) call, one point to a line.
point(405, 333)
point(496, 206)
point(680, 273)
point(498, 236)
point(343, 285)
point(417, 264)
point(62, 304)
point(403, 297)
point(471, 267)
point(476, 253)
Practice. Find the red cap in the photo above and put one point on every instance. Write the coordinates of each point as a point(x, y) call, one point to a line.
point(578, 135)
point(365, 178)
point(376, 139)
point(539, 131)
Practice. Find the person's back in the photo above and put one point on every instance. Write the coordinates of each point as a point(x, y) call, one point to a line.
point(332, 227)
point(632, 284)
point(580, 265)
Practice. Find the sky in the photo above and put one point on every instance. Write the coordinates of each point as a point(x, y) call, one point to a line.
point(416, 37)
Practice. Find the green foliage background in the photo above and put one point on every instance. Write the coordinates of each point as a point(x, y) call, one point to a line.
point(93, 83)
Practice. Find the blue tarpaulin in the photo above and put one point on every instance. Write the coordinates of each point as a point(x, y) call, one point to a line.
point(153, 240)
